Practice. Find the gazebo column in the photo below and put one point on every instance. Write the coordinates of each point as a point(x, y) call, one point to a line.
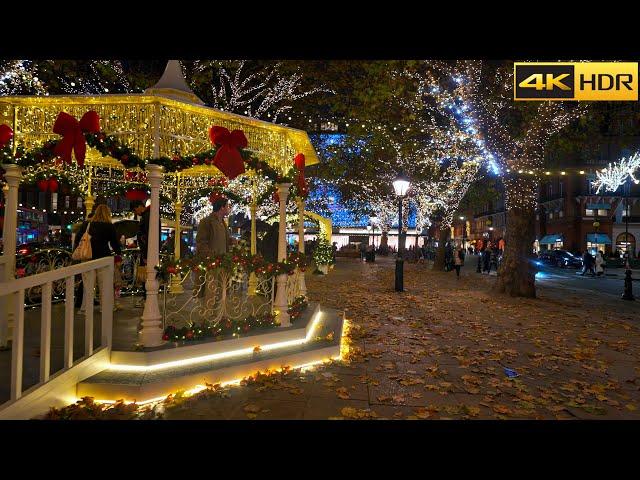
point(300, 202)
point(281, 304)
point(151, 333)
point(13, 176)
point(89, 200)
point(253, 281)
point(176, 286)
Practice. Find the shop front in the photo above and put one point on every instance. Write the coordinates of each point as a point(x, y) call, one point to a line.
point(597, 242)
point(551, 242)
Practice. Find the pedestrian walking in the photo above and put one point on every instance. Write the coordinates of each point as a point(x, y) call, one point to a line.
point(458, 260)
point(103, 234)
point(600, 264)
point(479, 248)
point(587, 264)
point(486, 258)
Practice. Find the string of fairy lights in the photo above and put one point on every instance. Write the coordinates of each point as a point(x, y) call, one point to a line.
point(616, 174)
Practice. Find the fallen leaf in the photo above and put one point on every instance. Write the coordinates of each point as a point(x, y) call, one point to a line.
point(251, 408)
point(503, 409)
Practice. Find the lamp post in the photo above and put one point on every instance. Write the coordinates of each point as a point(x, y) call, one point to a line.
point(373, 221)
point(596, 225)
point(464, 234)
point(368, 233)
point(400, 185)
point(628, 285)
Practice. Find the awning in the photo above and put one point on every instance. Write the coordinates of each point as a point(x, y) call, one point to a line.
point(599, 206)
point(551, 239)
point(599, 238)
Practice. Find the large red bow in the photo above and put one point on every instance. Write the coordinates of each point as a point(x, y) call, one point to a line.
point(228, 158)
point(299, 161)
point(6, 134)
point(72, 132)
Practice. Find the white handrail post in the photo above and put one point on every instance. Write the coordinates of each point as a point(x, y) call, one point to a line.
point(13, 176)
point(281, 305)
point(89, 295)
point(17, 347)
point(302, 286)
point(68, 321)
point(151, 333)
point(106, 303)
point(45, 333)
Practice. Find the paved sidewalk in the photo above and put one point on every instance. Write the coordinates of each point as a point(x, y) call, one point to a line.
point(447, 348)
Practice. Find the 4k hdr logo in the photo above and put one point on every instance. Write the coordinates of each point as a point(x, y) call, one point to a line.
point(607, 81)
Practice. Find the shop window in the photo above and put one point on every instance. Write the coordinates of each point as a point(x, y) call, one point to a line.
point(560, 214)
point(550, 215)
point(79, 203)
point(54, 201)
point(603, 212)
point(589, 212)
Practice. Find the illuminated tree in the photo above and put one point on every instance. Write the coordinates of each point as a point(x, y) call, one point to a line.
point(255, 89)
point(516, 133)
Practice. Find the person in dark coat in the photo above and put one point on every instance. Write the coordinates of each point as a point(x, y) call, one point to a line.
point(142, 236)
point(269, 244)
point(103, 234)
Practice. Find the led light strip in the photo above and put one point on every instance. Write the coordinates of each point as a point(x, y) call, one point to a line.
point(199, 388)
point(217, 356)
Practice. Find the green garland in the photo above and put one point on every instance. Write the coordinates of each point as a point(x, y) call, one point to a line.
point(108, 145)
point(231, 262)
point(221, 329)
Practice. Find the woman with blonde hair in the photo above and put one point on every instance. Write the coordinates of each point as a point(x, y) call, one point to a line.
point(103, 234)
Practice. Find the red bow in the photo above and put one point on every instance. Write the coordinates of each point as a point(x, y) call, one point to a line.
point(228, 158)
point(6, 134)
point(72, 133)
point(215, 196)
point(302, 183)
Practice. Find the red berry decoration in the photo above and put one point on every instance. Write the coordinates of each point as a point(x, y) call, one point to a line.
point(189, 334)
point(43, 185)
point(165, 337)
point(172, 270)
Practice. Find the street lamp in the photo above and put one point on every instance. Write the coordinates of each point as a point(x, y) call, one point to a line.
point(368, 233)
point(373, 221)
point(400, 185)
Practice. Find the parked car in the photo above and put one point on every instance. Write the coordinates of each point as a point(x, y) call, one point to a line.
point(560, 258)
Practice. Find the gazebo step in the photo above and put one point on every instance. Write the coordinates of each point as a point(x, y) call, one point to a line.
point(145, 383)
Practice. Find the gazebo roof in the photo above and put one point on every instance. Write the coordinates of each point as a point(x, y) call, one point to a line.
point(155, 123)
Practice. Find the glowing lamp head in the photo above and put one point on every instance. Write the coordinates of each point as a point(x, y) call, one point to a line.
point(401, 185)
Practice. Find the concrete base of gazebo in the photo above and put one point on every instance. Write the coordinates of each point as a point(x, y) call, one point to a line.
point(154, 373)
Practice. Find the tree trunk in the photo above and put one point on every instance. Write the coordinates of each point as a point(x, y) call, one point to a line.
point(438, 263)
point(517, 272)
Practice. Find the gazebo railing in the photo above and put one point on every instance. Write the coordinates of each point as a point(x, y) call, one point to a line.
point(12, 296)
point(217, 295)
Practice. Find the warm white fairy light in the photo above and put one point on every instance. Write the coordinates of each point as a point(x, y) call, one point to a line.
point(265, 94)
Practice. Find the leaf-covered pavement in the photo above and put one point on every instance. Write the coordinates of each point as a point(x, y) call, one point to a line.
point(445, 349)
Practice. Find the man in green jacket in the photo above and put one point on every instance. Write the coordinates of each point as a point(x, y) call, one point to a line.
point(212, 239)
